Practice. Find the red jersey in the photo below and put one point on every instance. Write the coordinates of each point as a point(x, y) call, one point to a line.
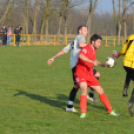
point(84, 70)
point(90, 53)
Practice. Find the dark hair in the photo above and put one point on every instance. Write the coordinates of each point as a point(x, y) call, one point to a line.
point(95, 37)
point(80, 27)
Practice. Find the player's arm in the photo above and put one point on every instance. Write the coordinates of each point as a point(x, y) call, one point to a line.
point(82, 41)
point(84, 58)
point(124, 48)
point(100, 64)
point(122, 52)
point(82, 44)
point(65, 50)
point(51, 60)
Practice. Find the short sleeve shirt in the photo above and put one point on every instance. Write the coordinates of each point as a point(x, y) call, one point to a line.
point(90, 53)
point(74, 48)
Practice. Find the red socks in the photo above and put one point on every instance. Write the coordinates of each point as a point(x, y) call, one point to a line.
point(103, 98)
point(83, 103)
point(106, 102)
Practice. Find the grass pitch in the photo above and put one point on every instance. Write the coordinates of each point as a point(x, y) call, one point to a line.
point(33, 95)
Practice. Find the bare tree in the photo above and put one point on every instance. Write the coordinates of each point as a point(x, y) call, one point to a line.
point(35, 16)
point(115, 17)
point(6, 10)
point(125, 8)
point(60, 12)
point(46, 18)
point(92, 6)
point(26, 17)
point(117, 21)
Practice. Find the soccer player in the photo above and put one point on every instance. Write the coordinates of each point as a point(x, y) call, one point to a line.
point(74, 47)
point(85, 78)
point(128, 63)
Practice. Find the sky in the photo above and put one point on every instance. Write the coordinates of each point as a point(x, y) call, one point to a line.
point(103, 5)
point(106, 5)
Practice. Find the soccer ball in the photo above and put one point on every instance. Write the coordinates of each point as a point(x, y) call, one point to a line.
point(110, 62)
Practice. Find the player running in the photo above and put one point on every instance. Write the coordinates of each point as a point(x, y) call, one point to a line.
point(85, 78)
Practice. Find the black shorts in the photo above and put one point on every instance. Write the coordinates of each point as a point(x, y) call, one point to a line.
point(130, 71)
point(73, 71)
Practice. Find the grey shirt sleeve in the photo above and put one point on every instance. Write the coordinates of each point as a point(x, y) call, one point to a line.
point(81, 38)
point(67, 48)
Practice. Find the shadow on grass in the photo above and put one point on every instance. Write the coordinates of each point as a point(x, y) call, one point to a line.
point(63, 97)
point(96, 106)
point(45, 99)
point(60, 102)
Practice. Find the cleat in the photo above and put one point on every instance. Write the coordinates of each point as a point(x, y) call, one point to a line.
point(124, 93)
point(83, 115)
point(93, 99)
point(71, 109)
point(130, 108)
point(113, 113)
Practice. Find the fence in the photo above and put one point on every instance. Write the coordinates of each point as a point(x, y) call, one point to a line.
point(43, 40)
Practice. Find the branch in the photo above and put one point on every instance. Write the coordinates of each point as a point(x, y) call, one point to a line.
point(6, 11)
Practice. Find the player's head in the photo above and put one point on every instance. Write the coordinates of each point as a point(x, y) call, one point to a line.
point(95, 40)
point(129, 40)
point(82, 30)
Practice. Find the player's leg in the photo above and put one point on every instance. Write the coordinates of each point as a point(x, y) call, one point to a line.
point(72, 94)
point(131, 100)
point(104, 100)
point(126, 85)
point(83, 99)
point(127, 81)
point(90, 95)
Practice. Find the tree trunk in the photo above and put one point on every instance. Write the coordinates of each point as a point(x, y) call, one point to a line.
point(89, 24)
point(65, 18)
point(6, 11)
point(119, 23)
point(119, 33)
point(26, 17)
point(91, 11)
point(35, 17)
point(59, 28)
point(115, 19)
point(46, 29)
point(125, 28)
point(124, 20)
point(45, 19)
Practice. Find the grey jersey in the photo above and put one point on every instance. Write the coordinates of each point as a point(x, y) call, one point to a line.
point(74, 48)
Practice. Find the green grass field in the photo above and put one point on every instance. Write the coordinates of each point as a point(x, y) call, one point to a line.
point(33, 95)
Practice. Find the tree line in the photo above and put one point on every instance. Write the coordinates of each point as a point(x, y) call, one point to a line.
point(64, 16)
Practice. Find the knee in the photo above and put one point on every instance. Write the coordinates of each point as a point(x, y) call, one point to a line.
point(83, 87)
point(101, 91)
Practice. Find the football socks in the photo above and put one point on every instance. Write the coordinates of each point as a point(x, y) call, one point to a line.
point(106, 102)
point(72, 97)
point(83, 103)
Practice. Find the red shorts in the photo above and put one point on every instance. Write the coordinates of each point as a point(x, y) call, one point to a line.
point(90, 79)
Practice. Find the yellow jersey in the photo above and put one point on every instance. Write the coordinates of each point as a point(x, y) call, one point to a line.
point(128, 52)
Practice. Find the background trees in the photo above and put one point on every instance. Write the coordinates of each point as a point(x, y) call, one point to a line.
point(64, 16)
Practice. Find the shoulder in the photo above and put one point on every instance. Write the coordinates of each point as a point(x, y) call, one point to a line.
point(88, 46)
point(85, 49)
point(80, 36)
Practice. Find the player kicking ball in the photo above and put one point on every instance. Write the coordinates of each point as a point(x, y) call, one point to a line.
point(85, 78)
